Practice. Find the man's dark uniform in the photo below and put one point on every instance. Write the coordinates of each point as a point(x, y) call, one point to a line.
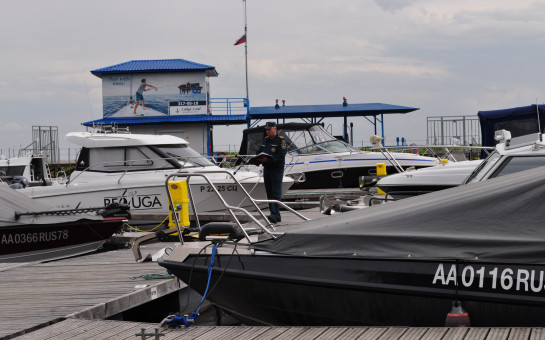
point(273, 171)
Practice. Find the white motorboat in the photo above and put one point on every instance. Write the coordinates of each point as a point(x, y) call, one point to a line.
point(132, 168)
point(32, 167)
point(510, 155)
point(417, 182)
point(326, 162)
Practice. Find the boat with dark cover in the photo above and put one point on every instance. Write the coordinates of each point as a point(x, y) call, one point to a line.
point(401, 263)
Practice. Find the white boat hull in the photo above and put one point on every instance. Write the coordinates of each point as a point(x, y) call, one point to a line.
point(146, 195)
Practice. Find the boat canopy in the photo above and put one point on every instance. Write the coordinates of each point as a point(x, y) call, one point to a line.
point(497, 220)
point(518, 120)
point(302, 138)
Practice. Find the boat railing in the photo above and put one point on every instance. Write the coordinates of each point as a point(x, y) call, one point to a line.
point(441, 151)
point(267, 227)
point(392, 160)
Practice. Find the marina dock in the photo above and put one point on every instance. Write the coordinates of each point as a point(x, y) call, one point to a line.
point(74, 329)
point(72, 299)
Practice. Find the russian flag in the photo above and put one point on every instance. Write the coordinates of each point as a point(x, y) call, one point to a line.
point(242, 40)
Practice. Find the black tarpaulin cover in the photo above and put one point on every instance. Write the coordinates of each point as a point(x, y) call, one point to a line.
point(501, 219)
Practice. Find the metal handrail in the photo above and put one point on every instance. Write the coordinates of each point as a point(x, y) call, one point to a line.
point(228, 207)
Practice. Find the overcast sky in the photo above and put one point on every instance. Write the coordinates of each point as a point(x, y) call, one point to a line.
point(444, 57)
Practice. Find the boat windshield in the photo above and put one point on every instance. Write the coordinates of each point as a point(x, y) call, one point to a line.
point(314, 140)
point(483, 168)
point(184, 154)
point(325, 147)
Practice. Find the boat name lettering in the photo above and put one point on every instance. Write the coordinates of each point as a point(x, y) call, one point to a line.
point(43, 236)
point(489, 277)
point(136, 201)
point(220, 188)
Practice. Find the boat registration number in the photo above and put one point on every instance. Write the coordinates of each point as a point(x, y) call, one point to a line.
point(34, 237)
point(490, 277)
point(220, 188)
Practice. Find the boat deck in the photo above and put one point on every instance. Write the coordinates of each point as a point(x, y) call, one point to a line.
point(74, 329)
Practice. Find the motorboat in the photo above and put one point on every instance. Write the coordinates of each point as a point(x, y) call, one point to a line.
point(121, 167)
point(417, 182)
point(316, 159)
point(406, 263)
point(29, 169)
point(511, 154)
point(33, 231)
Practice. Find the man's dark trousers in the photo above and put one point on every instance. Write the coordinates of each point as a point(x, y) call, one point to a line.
point(273, 186)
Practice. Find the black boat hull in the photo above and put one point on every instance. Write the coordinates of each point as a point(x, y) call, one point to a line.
point(405, 191)
point(39, 242)
point(328, 178)
point(287, 290)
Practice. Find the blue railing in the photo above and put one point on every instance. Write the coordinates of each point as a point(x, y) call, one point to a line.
point(229, 106)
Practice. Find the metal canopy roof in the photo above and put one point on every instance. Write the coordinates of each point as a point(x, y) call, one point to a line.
point(322, 111)
point(211, 119)
point(156, 66)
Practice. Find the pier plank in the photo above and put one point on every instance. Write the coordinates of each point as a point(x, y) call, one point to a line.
point(477, 334)
point(415, 334)
point(340, 333)
point(372, 333)
point(434, 333)
point(537, 334)
point(456, 333)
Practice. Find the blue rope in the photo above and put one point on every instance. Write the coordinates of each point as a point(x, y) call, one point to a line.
point(189, 320)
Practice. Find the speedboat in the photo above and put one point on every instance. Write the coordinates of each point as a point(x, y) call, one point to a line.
point(30, 169)
point(478, 247)
point(33, 231)
point(510, 155)
point(417, 182)
point(132, 168)
point(316, 159)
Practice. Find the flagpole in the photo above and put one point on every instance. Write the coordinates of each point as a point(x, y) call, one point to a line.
point(246, 49)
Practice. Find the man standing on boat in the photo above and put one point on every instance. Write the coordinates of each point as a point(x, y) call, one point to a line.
point(140, 94)
point(275, 147)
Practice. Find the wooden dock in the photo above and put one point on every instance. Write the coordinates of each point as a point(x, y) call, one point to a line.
point(74, 329)
point(95, 286)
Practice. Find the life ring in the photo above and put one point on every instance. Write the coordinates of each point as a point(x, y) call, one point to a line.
point(220, 157)
point(414, 150)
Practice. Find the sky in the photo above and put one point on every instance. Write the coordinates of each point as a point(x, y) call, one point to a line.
point(447, 58)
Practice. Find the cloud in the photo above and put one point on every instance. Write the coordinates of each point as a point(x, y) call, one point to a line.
point(13, 127)
point(395, 5)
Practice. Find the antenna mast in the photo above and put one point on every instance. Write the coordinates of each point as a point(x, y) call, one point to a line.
point(538, 122)
point(246, 49)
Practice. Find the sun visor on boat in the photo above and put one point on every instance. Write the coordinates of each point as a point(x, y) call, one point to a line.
point(501, 219)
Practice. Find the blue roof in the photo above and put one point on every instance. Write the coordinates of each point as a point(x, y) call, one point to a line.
point(212, 119)
point(334, 110)
point(154, 66)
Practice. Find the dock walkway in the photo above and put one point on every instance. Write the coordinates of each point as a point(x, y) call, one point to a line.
point(74, 329)
point(94, 286)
